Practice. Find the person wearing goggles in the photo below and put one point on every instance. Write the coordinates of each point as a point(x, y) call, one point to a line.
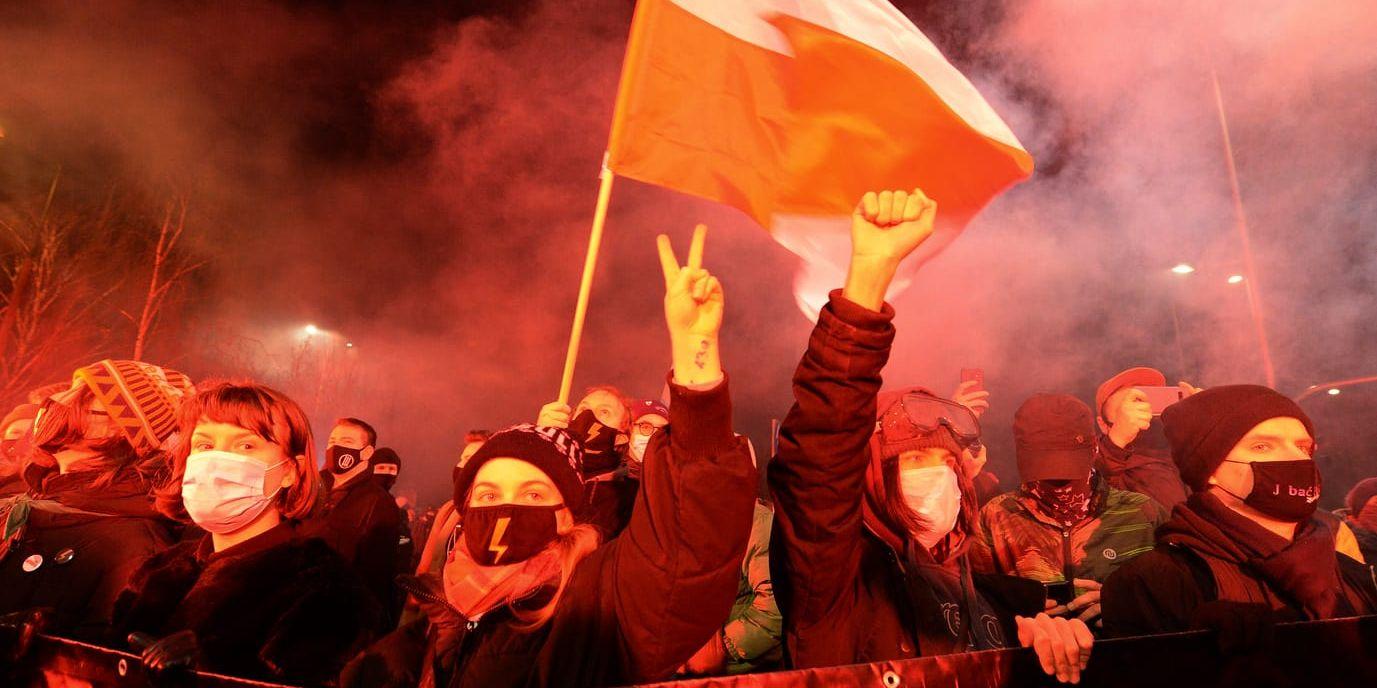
point(874, 515)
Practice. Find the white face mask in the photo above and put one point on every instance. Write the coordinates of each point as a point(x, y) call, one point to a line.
point(223, 491)
point(638, 444)
point(934, 494)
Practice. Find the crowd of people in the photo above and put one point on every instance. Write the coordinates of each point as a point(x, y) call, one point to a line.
point(620, 541)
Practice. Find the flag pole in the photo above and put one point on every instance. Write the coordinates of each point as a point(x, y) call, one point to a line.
point(1241, 221)
point(590, 262)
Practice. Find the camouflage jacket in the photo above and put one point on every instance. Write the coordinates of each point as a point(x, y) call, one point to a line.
point(1018, 540)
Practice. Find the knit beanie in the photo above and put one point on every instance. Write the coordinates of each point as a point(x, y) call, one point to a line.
point(1204, 427)
point(552, 450)
point(141, 398)
point(897, 434)
point(1359, 496)
point(1054, 438)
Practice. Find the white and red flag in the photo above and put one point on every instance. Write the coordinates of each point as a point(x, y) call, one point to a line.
point(790, 110)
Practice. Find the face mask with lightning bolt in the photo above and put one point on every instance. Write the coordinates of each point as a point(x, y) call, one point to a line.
point(509, 533)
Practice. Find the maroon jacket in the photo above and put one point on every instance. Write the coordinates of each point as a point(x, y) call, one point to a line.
point(848, 591)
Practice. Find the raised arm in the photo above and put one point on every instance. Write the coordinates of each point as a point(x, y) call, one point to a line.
point(818, 477)
point(677, 565)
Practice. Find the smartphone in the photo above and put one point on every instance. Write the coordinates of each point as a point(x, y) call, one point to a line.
point(976, 374)
point(1061, 592)
point(1161, 397)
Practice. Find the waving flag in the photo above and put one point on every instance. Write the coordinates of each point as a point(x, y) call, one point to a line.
point(790, 110)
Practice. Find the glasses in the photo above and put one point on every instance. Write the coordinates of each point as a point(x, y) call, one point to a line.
point(925, 413)
point(646, 427)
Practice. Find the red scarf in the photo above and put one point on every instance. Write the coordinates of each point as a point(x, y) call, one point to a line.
point(474, 590)
point(1305, 569)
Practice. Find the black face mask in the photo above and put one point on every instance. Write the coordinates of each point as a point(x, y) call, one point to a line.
point(1284, 490)
point(342, 459)
point(602, 445)
point(508, 533)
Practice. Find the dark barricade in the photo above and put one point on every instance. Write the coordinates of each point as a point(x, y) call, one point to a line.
point(52, 661)
point(1342, 652)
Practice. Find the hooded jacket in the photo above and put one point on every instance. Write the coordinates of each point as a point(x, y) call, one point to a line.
point(1205, 552)
point(79, 542)
point(849, 587)
point(634, 609)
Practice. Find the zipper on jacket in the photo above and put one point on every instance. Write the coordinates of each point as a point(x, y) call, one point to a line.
point(1067, 571)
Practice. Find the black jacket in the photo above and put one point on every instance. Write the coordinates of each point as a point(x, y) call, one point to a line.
point(637, 607)
point(1163, 591)
point(849, 590)
point(362, 523)
point(79, 546)
point(276, 608)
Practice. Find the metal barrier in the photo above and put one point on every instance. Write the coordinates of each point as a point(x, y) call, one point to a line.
point(1342, 652)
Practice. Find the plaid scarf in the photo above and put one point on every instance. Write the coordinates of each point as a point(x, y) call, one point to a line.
point(474, 590)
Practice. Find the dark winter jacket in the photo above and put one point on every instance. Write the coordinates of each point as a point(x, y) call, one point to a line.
point(1196, 562)
point(1017, 539)
point(635, 608)
point(277, 607)
point(849, 589)
point(78, 546)
point(1136, 469)
point(361, 521)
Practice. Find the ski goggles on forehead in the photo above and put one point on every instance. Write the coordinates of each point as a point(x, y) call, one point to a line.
point(923, 414)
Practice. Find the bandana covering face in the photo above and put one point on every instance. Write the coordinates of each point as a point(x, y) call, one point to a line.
point(1067, 504)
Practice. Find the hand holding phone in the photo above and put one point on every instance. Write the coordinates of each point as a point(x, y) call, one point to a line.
point(1159, 398)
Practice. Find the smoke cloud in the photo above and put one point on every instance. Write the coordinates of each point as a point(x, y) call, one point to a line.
point(418, 184)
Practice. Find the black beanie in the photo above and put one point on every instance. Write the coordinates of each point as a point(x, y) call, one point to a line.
point(1360, 494)
point(1204, 427)
point(552, 450)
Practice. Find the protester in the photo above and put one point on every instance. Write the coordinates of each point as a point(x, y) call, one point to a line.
point(360, 519)
point(88, 520)
point(529, 598)
point(1064, 524)
point(1361, 516)
point(13, 428)
point(750, 642)
point(445, 524)
point(1248, 548)
point(601, 423)
point(648, 416)
point(873, 521)
point(251, 598)
point(1126, 423)
point(387, 466)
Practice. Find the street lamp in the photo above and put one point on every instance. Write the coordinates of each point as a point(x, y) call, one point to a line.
point(1334, 391)
point(1183, 269)
point(1235, 279)
point(311, 330)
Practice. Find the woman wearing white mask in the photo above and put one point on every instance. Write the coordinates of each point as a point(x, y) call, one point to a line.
point(873, 520)
point(251, 598)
